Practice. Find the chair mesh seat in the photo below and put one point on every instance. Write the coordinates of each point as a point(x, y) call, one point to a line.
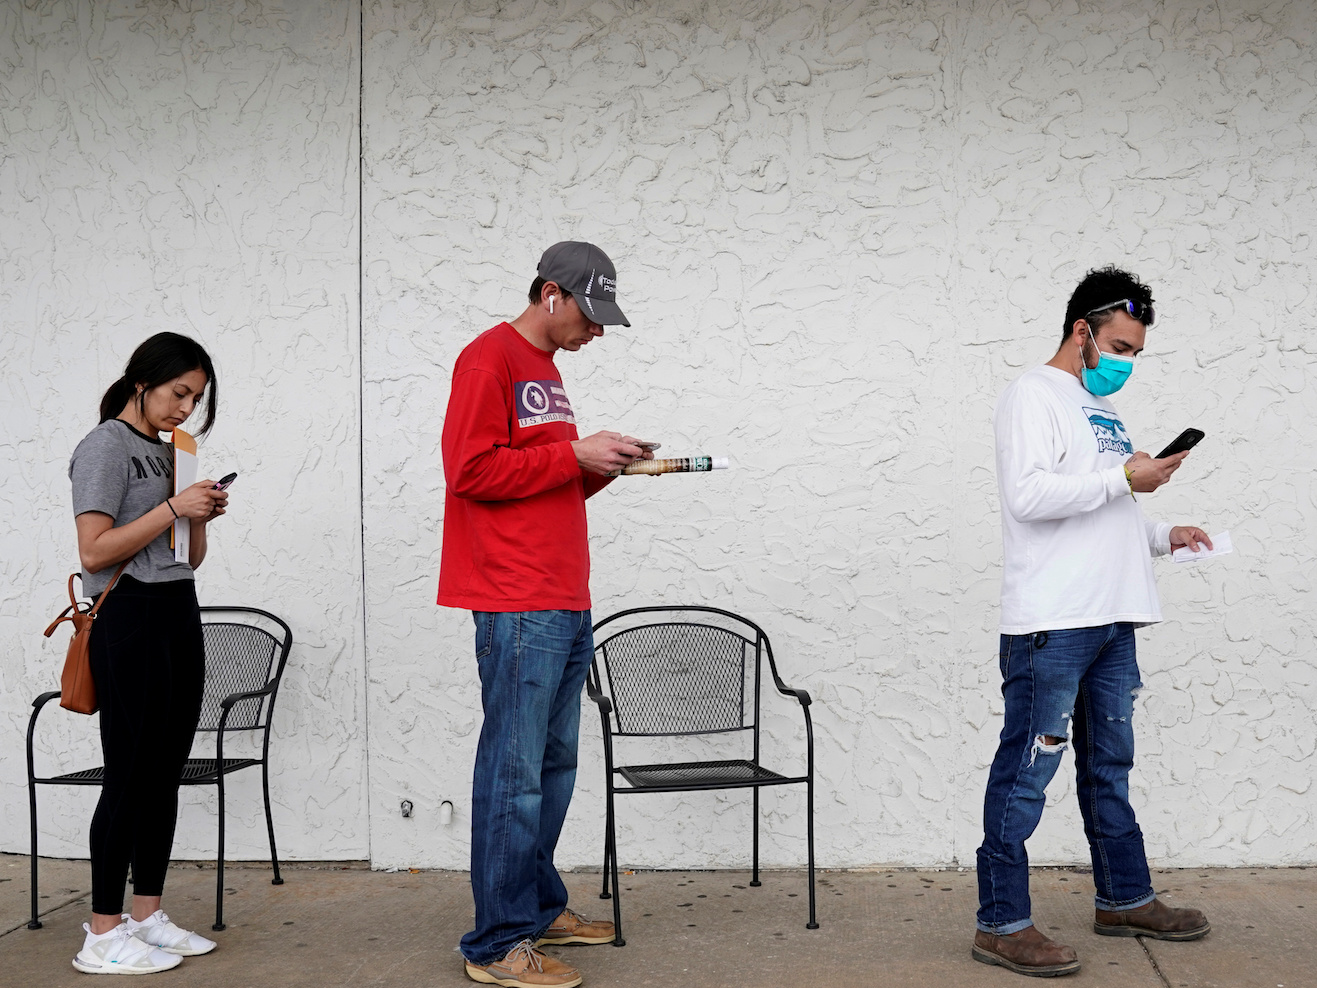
point(88, 776)
point(195, 770)
point(200, 770)
point(734, 772)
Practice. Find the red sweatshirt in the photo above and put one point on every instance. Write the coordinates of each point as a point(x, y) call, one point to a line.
point(514, 512)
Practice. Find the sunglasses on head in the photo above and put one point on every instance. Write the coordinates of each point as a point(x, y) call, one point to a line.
point(1137, 310)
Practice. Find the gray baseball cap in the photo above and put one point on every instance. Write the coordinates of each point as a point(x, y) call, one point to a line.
point(585, 271)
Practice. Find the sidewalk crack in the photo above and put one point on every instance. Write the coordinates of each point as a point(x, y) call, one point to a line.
point(1153, 961)
point(23, 923)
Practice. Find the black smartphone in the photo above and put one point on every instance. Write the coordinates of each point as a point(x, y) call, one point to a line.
point(224, 482)
point(1188, 439)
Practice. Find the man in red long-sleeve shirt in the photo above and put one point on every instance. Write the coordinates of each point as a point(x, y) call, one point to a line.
point(515, 553)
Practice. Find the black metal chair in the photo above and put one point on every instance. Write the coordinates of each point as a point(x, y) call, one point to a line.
point(696, 672)
point(246, 651)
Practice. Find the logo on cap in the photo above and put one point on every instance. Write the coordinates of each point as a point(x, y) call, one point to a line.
point(576, 266)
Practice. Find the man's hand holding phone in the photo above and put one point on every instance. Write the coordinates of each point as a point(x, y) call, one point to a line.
point(648, 447)
point(1147, 474)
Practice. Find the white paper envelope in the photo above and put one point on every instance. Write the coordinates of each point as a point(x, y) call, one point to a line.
point(1220, 546)
point(185, 475)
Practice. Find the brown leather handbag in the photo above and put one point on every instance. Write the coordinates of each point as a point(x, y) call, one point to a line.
point(77, 688)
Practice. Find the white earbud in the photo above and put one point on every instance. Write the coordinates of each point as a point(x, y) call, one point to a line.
point(551, 298)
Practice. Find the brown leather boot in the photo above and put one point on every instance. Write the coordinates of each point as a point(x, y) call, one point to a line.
point(1155, 919)
point(1027, 952)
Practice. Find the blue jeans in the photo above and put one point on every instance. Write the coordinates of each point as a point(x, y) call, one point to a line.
point(532, 667)
point(1087, 676)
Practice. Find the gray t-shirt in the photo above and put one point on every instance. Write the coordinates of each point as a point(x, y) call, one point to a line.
point(123, 473)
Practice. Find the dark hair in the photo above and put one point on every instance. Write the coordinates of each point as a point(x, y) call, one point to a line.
point(158, 361)
point(537, 286)
point(1103, 286)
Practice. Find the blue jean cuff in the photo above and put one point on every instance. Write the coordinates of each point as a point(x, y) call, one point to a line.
point(1006, 929)
point(1120, 907)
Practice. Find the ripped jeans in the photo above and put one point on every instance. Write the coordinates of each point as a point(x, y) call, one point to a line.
point(1085, 679)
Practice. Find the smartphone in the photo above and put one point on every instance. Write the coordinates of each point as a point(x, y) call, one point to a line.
point(224, 482)
point(1188, 439)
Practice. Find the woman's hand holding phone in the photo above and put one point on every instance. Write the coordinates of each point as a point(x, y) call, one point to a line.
point(201, 501)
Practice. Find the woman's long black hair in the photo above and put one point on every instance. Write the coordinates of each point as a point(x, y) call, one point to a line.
point(158, 361)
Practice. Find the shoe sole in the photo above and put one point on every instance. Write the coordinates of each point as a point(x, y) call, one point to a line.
point(115, 969)
point(485, 978)
point(1049, 971)
point(180, 952)
point(1138, 931)
point(560, 941)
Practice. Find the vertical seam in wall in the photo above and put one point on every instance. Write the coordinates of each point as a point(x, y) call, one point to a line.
point(361, 407)
point(963, 13)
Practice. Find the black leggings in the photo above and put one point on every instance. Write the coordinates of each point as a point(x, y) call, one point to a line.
point(148, 663)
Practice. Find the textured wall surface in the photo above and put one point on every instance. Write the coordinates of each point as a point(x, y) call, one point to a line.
point(189, 167)
point(840, 229)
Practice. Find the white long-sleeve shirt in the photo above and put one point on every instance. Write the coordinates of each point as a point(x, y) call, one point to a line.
point(1077, 549)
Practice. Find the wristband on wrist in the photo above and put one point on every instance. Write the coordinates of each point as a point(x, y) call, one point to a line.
point(175, 513)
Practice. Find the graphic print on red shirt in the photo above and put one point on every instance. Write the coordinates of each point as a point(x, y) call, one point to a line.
point(542, 401)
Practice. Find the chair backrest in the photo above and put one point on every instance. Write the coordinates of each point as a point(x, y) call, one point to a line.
point(246, 650)
point(680, 670)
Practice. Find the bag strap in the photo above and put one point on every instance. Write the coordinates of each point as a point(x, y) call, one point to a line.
point(68, 612)
point(64, 615)
point(110, 586)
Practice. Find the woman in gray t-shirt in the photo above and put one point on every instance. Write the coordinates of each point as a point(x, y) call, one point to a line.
point(146, 649)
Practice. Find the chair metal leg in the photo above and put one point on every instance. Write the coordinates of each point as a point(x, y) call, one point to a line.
point(269, 823)
point(813, 923)
point(33, 923)
point(754, 878)
point(611, 851)
point(219, 862)
point(608, 851)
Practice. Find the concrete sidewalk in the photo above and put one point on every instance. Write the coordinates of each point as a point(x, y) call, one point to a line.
point(333, 925)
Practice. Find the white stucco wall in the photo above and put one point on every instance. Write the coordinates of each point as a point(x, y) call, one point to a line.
point(189, 168)
point(840, 230)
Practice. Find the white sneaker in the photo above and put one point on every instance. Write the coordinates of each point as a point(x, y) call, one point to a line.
point(119, 952)
point(158, 931)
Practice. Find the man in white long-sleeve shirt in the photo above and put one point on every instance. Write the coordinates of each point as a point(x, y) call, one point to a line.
point(1077, 580)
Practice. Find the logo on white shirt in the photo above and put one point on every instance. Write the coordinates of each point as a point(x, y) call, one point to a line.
point(1109, 432)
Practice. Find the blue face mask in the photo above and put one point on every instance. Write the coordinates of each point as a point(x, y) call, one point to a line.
point(1109, 376)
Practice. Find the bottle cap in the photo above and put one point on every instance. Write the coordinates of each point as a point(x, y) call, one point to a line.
point(721, 462)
